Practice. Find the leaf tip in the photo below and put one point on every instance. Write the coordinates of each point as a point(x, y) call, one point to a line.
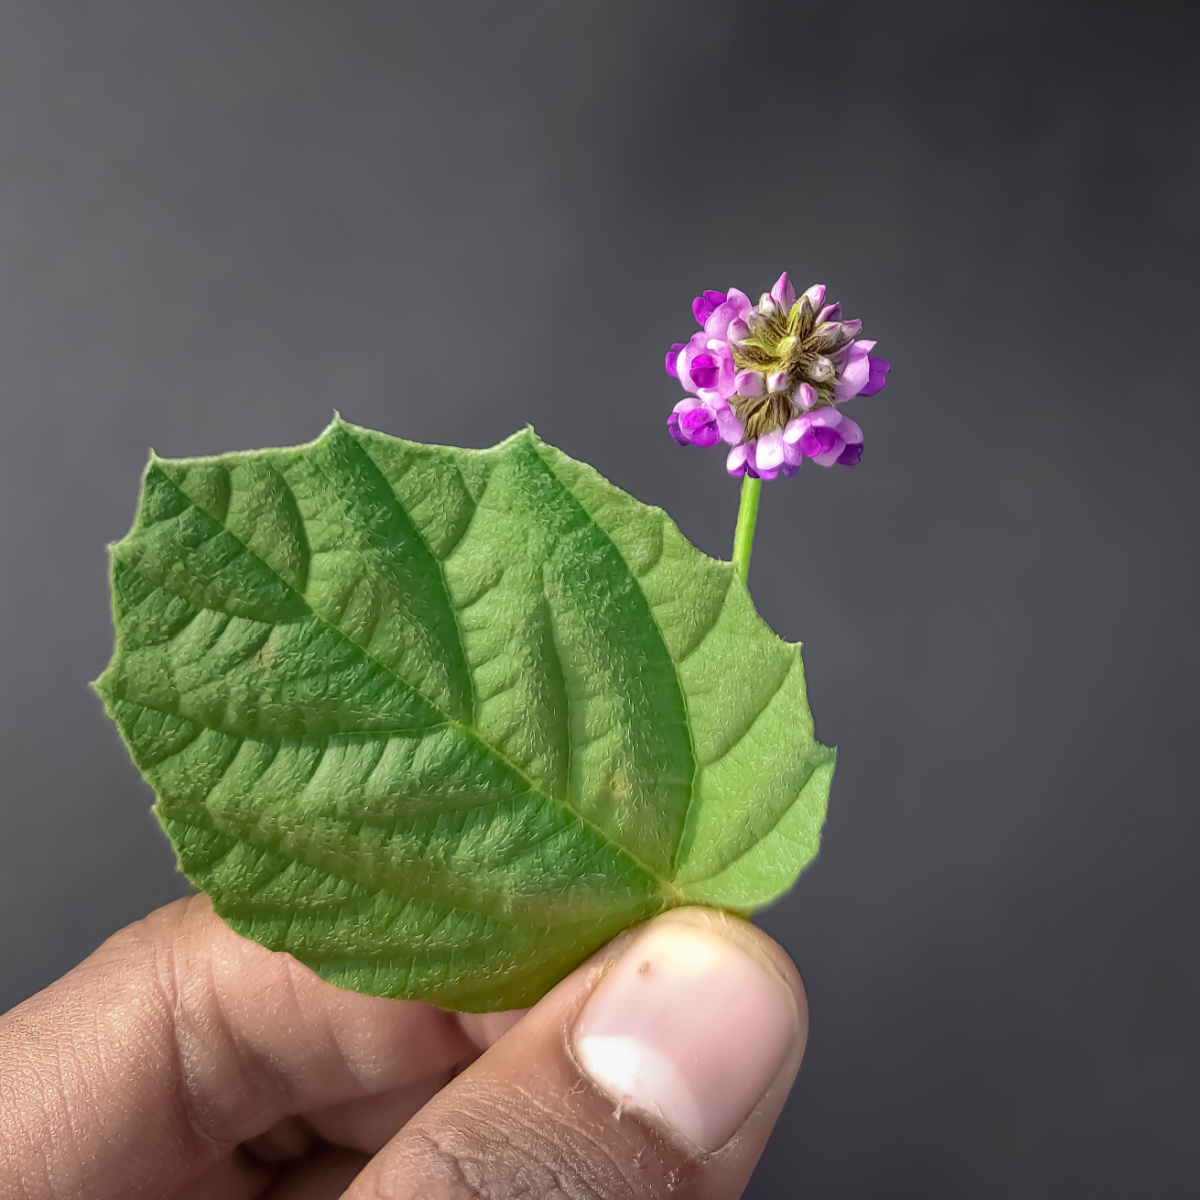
point(99, 686)
point(336, 424)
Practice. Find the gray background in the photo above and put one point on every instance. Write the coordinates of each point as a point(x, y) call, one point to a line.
point(220, 220)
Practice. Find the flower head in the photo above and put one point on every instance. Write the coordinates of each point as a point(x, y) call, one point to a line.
point(768, 379)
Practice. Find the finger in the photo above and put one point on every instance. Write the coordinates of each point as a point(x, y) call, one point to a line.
point(322, 1177)
point(367, 1123)
point(176, 1041)
point(657, 1069)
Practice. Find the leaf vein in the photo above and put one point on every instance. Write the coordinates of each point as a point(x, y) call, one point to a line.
point(466, 730)
point(766, 704)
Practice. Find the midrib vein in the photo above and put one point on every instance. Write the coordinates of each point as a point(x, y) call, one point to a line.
point(693, 789)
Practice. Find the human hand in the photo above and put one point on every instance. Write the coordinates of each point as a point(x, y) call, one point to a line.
point(183, 1061)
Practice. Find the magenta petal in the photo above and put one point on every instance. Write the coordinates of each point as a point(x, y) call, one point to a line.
point(783, 292)
point(851, 456)
point(748, 383)
point(769, 454)
point(854, 373)
point(674, 430)
point(740, 301)
point(706, 435)
point(717, 325)
point(818, 440)
point(705, 370)
point(830, 418)
point(673, 359)
point(717, 384)
point(725, 388)
point(730, 427)
point(849, 431)
point(736, 461)
point(877, 375)
point(705, 303)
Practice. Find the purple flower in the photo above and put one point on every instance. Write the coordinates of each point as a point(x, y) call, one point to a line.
point(765, 458)
point(705, 366)
point(735, 307)
point(694, 423)
point(825, 436)
point(768, 379)
point(703, 305)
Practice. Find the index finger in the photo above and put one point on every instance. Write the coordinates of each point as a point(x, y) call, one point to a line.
point(176, 1041)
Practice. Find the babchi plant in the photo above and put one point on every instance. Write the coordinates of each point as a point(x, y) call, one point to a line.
point(441, 722)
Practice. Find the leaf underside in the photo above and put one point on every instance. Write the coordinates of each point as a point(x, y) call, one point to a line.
point(442, 722)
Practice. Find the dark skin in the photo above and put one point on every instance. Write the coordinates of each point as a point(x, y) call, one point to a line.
point(182, 1061)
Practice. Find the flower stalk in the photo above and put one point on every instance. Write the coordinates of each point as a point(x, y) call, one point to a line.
point(747, 518)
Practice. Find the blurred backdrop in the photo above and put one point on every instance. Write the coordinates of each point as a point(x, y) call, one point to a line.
point(220, 221)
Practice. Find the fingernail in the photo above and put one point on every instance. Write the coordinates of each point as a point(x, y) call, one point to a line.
point(689, 1027)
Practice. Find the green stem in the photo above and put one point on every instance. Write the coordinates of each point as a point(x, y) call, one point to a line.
point(743, 535)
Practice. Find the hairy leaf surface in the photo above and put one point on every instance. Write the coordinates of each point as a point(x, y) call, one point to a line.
point(442, 722)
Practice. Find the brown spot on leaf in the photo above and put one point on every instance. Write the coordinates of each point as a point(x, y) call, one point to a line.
point(266, 656)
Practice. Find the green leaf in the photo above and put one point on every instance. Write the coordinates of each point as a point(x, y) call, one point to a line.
point(442, 722)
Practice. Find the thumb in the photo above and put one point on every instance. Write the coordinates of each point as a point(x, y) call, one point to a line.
point(658, 1068)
